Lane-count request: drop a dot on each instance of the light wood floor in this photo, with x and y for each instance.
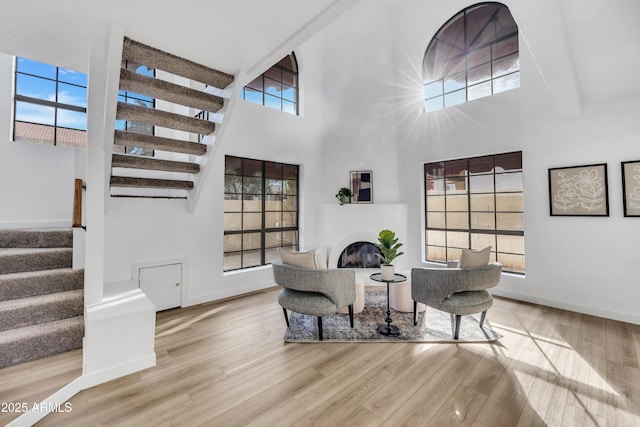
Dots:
(225, 364)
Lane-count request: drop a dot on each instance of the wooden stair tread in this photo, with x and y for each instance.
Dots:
(149, 163)
(123, 181)
(155, 117)
(133, 139)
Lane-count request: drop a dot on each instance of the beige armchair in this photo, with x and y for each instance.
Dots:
(455, 291)
(314, 292)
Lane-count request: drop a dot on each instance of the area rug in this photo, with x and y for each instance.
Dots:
(435, 326)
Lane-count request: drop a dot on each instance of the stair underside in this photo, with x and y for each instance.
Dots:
(152, 116)
(38, 341)
(14, 260)
(36, 238)
(132, 139)
(160, 89)
(154, 58)
(171, 184)
(20, 313)
(31, 283)
(149, 163)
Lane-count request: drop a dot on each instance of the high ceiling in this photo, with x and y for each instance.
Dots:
(601, 37)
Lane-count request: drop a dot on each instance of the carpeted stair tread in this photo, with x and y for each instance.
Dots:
(133, 139)
(173, 184)
(36, 238)
(140, 162)
(19, 313)
(13, 260)
(31, 283)
(171, 92)
(155, 117)
(155, 58)
(38, 341)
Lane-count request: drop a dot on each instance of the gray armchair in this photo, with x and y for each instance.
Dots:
(455, 291)
(314, 292)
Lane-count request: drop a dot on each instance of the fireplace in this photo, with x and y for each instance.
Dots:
(359, 255)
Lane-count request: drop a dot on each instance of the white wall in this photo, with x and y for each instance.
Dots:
(36, 181)
(373, 84)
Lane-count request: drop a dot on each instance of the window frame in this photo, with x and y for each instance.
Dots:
(263, 229)
(440, 93)
(445, 197)
(56, 105)
(268, 75)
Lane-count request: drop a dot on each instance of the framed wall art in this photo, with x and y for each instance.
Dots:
(579, 191)
(362, 186)
(631, 188)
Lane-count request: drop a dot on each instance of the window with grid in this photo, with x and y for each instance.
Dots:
(475, 54)
(277, 88)
(260, 211)
(50, 104)
(474, 203)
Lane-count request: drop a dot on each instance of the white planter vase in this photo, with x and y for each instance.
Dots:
(388, 272)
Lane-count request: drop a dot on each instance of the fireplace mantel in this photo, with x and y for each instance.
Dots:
(339, 226)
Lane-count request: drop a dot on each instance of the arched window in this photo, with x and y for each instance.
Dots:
(277, 87)
(475, 54)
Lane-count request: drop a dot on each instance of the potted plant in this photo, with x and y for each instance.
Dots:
(388, 244)
(344, 195)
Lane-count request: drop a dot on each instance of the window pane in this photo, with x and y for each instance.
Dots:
(71, 137)
(233, 165)
(72, 95)
(290, 172)
(289, 219)
(482, 202)
(289, 203)
(273, 219)
(481, 240)
(434, 186)
(509, 181)
(511, 262)
(459, 220)
(289, 107)
(232, 261)
(433, 89)
(273, 186)
(507, 65)
(481, 183)
(32, 113)
(252, 203)
(434, 104)
(479, 91)
(505, 47)
(251, 259)
(290, 187)
(273, 170)
(483, 221)
(479, 56)
(511, 244)
(272, 102)
(273, 240)
(34, 132)
(232, 184)
(508, 82)
(272, 87)
(509, 202)
(509, 162)
(455, 98)
(274, 73)
(252, 95)
(289, 238)
(256, 84)
(457, 202)
(510, 221)
(479, 74)
(273, 203)
(232, 242)
(435, 203)
(436, 220)
(232, 203)
(271, 255)
(232, 221)
(37, 68)
(454, 82)
(288, 78)
(453, 254)
(72, 119)
(436, 237)
(289, 93)
(436, 253)
(35, 87)
(251, 185)
(251, 241)
(251, 221)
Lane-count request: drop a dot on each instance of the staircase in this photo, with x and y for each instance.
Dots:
(169, 173)
(41, 297)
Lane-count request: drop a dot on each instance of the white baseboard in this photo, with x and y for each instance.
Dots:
(593, 311)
